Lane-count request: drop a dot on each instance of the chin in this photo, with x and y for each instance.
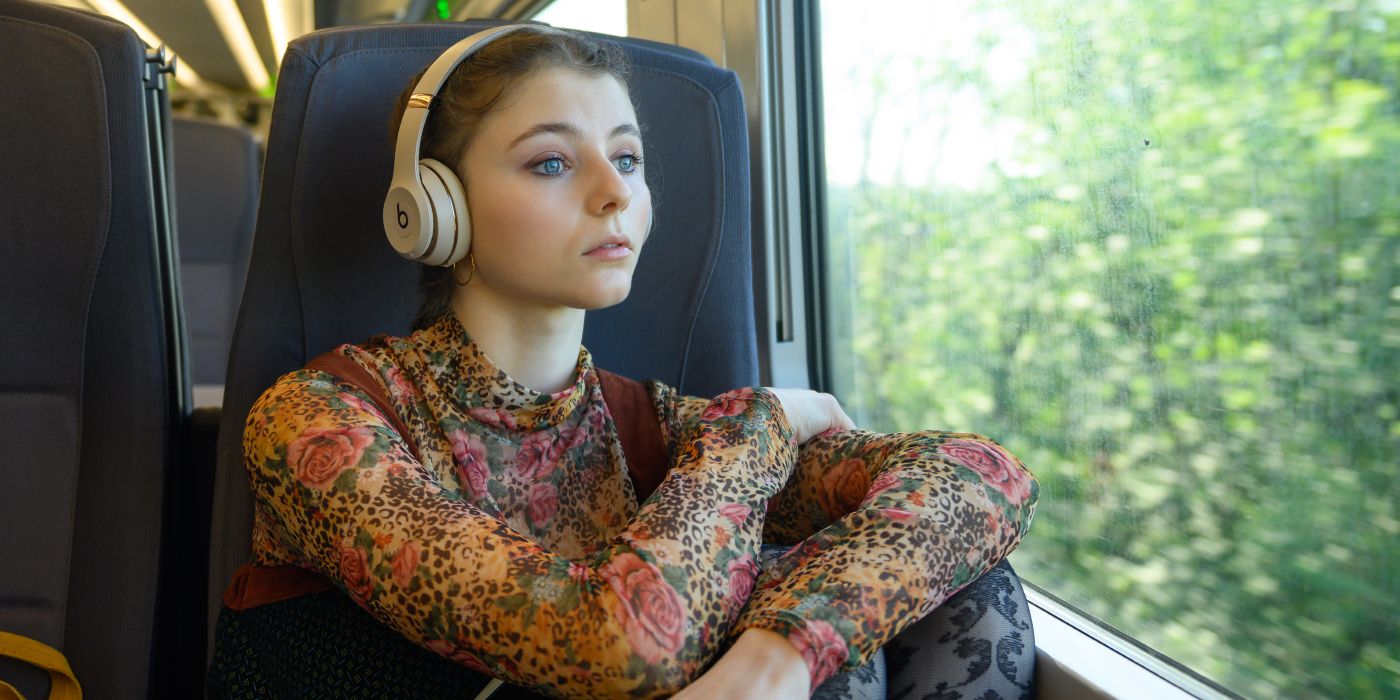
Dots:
(602, 297)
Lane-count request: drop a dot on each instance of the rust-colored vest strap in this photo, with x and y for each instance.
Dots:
(352, 373)
(638, 429)
(253, 586)
(632, 412)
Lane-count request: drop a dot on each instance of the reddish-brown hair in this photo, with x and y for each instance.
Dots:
(472, 91)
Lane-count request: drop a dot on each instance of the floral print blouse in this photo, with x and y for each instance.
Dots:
(516, 545)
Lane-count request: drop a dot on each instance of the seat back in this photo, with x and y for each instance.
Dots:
(89, 390)
(322, 274)
(216, 194)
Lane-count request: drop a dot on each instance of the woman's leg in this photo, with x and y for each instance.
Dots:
(978, 644)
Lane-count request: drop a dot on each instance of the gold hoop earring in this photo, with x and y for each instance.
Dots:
(460, 282)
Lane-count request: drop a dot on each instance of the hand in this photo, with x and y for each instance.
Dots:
(811, 413)
(761, 665)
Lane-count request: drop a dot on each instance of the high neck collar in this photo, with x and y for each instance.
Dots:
(473, 381)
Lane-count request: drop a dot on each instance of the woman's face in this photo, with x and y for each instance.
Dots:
(559, 205)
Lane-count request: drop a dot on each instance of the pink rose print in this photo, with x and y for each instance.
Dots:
(462, 657)
(571, 436)
(821, 647)
(993, 464)
(730, 403)
(405, 563)
(470, 457)
(742, 572)
(320, 455)
(494, 417)
(399, 386)
(360, 404)
(897, 514)
(458, 655)
(651, 612)
(354, 571)
(737, 513)
(578, 573)
(544, 501)
(843, 486)
(881, 484)
(537, 456)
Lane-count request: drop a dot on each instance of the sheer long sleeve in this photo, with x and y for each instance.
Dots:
(640, 618)
(883, 528)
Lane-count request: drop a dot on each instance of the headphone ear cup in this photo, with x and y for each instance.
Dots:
(451, 227)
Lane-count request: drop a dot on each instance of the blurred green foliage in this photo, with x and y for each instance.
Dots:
(1185, 318)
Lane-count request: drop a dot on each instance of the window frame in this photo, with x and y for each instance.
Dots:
(1076, 650)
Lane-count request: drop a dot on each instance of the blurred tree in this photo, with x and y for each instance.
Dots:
(1179, 303)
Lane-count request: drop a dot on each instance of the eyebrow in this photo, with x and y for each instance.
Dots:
(570, 130)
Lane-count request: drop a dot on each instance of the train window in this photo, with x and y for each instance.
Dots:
(605, 16)
(1154, 248)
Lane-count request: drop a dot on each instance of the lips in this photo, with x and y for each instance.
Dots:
(615, 245)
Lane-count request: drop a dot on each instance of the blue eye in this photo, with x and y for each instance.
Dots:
(627, 162)
(553, 165)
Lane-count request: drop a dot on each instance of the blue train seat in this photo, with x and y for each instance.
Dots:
(92, 388)
(216, 196)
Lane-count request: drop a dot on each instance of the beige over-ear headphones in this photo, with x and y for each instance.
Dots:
(425, 211)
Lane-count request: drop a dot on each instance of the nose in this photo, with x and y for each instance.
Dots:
(609, 192)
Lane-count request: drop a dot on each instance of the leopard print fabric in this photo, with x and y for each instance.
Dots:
(884, 528)
(516, 546)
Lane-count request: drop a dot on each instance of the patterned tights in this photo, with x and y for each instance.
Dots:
(977, 645)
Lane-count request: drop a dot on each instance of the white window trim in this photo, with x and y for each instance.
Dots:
(1078, 658)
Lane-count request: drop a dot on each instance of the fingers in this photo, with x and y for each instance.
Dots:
(843, 421)
(837, 420)
(812, 413)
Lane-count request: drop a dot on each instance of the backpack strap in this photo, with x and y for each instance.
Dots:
(638, 429)
(350, 372)
(62, 684)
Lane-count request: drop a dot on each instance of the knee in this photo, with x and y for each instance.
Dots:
(999, 588)
(980, 640)
(997, 470)
(1003, 574)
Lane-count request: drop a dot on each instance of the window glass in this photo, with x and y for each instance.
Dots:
(605, 16)
(1152, 247)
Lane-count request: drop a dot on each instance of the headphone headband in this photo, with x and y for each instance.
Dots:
(425, 214)
(415, 117)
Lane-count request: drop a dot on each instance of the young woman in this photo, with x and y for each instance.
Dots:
(486, 515)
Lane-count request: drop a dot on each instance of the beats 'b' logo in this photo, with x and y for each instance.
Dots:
(403, 215)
